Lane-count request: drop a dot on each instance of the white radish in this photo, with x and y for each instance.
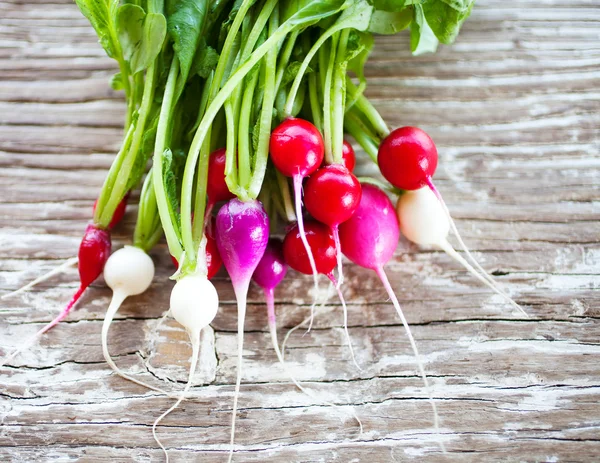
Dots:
(194, 304)
(128, 272)
(424, 220)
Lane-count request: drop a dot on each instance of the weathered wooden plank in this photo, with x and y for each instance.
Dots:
(513, 107)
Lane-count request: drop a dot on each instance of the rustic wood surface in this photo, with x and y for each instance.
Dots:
(514, 106)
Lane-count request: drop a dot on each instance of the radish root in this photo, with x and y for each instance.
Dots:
(115, 304)
(343, 301)
(195, 340)
(60, 317)
(386, 283)
(298, 200)
(480, 273)
(55, 271)
(338, 255)
(273, 330)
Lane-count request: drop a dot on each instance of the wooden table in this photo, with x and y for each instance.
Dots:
(514, 107)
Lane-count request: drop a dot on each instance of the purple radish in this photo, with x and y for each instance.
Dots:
(369, 239)
(242, 236)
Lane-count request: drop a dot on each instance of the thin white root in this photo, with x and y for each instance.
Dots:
(195, 340)
(448, 249)
(241, 296)
(298, 200)
(338, 255)
(480, 273)
(345, 309)
(386, 283)
(115, 304)
(273, 329)
(55, 271)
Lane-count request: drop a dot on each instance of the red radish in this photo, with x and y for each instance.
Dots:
(117, 217)
(424, 221)
(331, 195)
(297, 150)
(408, 159)
(93, 253)
(194, 304)
(119, 211)
(369, 239)
(216, 187)
(320, 240)
(213, 259)
(268, 274)
(242, 236)
(348, 157)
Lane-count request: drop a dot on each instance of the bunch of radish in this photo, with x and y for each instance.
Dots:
(237, 114)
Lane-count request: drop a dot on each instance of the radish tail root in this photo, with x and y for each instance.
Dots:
(343, 301)
(273, 331)
(338, 255)
(115, 304)
(60, 317)
(386, 283)
(55, 271)
(298, 200)
(480, 273)
(195, 340)
(241, 296)
(448, 249)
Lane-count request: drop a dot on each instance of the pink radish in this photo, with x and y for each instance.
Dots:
(321, 241)
(297, 150)
(194, 304)
(369, 239)
(242, 236)
(408, 158)
(93, 254)
(331, 195)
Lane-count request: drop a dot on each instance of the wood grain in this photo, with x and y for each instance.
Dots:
(514, 107)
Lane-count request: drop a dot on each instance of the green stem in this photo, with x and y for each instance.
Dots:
(244, 133)
(266, 116)
(112, 174)
(147, 219)
(339, 98)
(363, 104)
(285, 58)
(357, 130)
(315, 106)
(231, 165)
(162, 201)
(118, 190)
(327, 116)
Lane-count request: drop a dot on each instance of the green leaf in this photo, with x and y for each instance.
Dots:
(445, 17)
(205, 61)
(307, 12)
(185, 24)
(362, 44)
(388, 23)
(394, 6)
(141, 35)
(422, 38)
(116, 81)
(130, 23)
(98, 13)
